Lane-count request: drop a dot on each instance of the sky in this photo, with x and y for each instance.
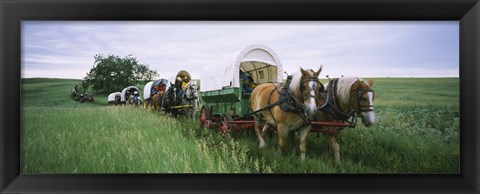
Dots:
(66, 49)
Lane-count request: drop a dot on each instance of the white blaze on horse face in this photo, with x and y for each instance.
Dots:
(370, 98)
(369, 116)
(312, 106)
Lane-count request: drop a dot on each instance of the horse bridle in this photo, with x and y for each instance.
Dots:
(315, 79)
(305, 97)
(193, 92)
(173, 96)
(363, 108)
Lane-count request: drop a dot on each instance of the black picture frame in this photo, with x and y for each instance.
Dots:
(12, 12)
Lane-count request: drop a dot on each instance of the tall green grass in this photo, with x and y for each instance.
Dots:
(417, 131)
(60, 135)
(122, 140)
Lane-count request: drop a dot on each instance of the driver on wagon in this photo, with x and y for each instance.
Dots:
(248, 84)
(135, 97)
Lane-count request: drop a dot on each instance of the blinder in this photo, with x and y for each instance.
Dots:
(364, 108)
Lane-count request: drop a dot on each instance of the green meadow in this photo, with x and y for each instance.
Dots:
(417, 131)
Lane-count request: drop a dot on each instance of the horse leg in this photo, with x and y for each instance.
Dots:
(194, 110)
(335, 147)
(291, 135)
(259, 134)
(303, 141)
(282, 137)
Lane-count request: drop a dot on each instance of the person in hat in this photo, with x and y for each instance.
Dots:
(135, 97)
(247, 80)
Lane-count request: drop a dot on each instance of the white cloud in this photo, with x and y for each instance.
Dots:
(380, 48)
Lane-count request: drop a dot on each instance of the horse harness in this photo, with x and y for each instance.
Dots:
(332, 108)
(171, 94)
(191, 98)
(288, 102)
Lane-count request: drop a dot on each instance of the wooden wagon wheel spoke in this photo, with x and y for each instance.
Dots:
(205, 116)
(226, 127)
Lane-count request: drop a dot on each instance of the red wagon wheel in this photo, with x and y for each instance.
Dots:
(227, 126)
(205, 117)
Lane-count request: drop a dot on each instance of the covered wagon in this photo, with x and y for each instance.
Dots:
(226, 85)
(114, 98)
(152, 88)
(127, 92)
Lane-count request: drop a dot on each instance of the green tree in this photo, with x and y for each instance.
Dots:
(112, 73)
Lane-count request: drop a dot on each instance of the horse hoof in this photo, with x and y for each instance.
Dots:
(262, 145)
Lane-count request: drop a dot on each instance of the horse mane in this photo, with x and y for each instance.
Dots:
(294, 86)
(344, 87)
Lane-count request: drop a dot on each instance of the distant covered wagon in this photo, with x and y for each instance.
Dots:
(127, 92)
(151, 88)
(114, 98)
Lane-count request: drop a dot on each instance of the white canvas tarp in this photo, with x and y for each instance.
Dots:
(260, 61)
(184, 76)
(124, 91)
(111, 96)
(147, 89)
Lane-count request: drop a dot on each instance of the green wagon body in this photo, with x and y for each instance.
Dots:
(228, 100)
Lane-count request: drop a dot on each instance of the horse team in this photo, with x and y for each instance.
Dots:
(303, 101)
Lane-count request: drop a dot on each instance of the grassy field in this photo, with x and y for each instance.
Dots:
(417, 131)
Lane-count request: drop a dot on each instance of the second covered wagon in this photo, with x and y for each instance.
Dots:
(226, 86)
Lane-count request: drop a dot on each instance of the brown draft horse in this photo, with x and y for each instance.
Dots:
(303, 89)
(157, 100)
(347, 98)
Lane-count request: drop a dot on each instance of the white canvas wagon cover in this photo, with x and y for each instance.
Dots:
(147, 89)
(124, 91)
(182, 74)
(250, 60)
(111, 96)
